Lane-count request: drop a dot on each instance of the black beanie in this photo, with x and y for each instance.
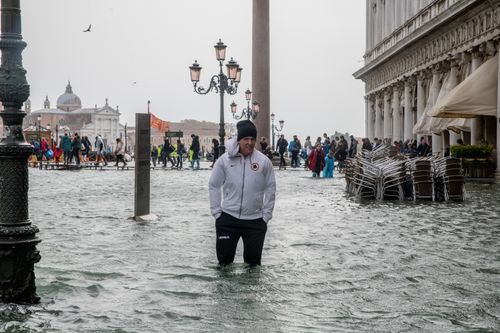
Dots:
(246, 128)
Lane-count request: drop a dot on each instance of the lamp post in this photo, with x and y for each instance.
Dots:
(126, 149)
(275, 128)
(220, 83)
(50, 135)
(18, 239)
(39, 120)
(248, 113)
(57, 135)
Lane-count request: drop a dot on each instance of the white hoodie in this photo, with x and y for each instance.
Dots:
(248, 185)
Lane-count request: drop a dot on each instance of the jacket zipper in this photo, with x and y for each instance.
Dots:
(242, 185)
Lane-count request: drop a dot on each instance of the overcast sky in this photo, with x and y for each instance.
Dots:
(316, 45)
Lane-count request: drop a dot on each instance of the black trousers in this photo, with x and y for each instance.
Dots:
(282, 160)
(76, 155)
(229, 230)
(120, 158)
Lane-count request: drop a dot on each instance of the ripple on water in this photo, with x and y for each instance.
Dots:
(330, 262)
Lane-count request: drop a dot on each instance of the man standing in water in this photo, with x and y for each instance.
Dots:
(242, 191)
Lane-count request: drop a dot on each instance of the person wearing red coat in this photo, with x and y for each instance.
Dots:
(316, 161)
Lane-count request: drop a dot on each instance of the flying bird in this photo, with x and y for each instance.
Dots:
(88, 29)
(135, 82)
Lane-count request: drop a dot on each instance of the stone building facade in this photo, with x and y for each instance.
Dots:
(204, 129)
(70, 117)
(416, 52)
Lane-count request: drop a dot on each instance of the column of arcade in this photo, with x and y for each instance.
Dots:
(392, 112)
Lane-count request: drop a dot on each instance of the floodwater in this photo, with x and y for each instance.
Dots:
(330, 263)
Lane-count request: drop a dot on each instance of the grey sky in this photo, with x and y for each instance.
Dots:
(316, 45)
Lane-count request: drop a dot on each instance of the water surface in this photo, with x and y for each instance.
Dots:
(330, 262)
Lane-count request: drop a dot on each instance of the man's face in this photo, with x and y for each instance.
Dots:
(247, 144)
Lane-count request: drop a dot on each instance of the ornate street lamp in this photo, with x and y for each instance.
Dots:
(18, 253)
(275, 128)
(248, 113)
(220, 83)
(39, 121)
(50, 135)
(126, 149)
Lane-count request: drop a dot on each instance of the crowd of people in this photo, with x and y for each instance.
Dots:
(321, 157)
(328, 153)
(73, 149)
(410, 147)
(175, 153)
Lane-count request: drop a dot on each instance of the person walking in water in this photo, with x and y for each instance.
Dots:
(120, 153)
(99, 147)
(66, 146)
(215, 149)
(317, 161)
(329, 165)
(76, 144)
(282, 146)
(195, 148)
(180, 154)
(246, 178)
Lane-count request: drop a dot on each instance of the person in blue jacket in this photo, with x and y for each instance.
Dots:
(66, 147)
(329, 165)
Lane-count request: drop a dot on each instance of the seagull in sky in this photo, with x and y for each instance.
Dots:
(88, 29)
(135, 82)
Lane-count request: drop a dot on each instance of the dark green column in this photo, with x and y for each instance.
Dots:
(18, 240)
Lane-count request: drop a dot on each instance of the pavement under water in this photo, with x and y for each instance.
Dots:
(330, 262)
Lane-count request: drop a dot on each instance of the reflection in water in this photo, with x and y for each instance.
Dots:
(330, 262)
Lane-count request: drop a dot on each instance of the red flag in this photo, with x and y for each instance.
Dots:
(159, 124)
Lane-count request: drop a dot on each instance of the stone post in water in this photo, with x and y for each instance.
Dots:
(18, 240)
(142, 167)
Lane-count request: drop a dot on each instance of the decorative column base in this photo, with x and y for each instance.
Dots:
(18, 240)
(17, 276)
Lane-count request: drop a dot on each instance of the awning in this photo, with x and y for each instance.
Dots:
(426, 124)
(473, 97)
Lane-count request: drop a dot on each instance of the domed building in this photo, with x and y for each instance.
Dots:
(69, 116)
(69, 101)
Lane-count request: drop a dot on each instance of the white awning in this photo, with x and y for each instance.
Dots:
(428, 125)
(473, 97)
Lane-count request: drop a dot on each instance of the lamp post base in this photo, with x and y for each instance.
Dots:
(17, 276)
(222, 150)
(18, 240)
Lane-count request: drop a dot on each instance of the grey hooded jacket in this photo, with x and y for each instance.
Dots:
(242, 186)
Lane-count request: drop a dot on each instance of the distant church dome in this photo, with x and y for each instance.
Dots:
(69, 101)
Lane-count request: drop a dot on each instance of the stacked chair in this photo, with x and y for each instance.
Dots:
(394, 178)
(381, 175)
(365, 178)
(372, 174)
(422, 177)
(450, 174)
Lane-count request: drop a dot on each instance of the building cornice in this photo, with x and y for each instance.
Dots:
(471, 28)
(406, 35)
